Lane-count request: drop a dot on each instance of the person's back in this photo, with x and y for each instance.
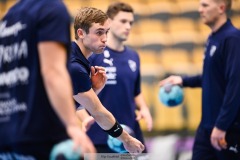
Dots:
(22, 83)
(27, 118)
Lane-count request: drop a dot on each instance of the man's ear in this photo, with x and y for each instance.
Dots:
(222, 7)
(81, 33)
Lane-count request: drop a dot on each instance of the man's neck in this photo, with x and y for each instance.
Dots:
(87, 53)
(115, 43)
(215, 27)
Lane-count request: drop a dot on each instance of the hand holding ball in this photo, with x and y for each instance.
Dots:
(171, 95)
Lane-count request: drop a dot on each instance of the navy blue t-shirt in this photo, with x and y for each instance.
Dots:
(220, 79)
(26, 114)
(123, 85)
(79, 69)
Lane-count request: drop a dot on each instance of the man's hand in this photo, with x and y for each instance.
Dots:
(81, 140)
(132, 145)
(218, 139)
(144, 113)
(87, 123)
(98, 78)
(171, 80)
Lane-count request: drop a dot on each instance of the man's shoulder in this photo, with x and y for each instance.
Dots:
(131, 51)
(233, 34)
(77, 69)
(228, 33)
(53, 4)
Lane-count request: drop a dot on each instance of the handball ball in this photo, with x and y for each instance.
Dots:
(115, 144)
(64, 151)
(171, 95)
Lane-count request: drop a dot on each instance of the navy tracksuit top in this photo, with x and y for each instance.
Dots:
(220, 80)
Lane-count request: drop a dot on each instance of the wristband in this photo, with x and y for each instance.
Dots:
(116, 130)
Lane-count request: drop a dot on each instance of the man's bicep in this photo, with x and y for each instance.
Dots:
(52, 55)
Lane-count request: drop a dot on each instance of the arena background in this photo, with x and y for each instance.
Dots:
(169, 38)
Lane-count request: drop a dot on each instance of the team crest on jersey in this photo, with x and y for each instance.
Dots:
(106, 54)
(132, 65)
(212, 50)
(106, 59)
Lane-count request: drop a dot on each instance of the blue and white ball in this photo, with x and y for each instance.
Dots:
(64, 151)
(115, 144)
(171, 95)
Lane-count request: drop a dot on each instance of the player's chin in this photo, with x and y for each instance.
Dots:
(124, 38)
(100, 50)
(204, 20)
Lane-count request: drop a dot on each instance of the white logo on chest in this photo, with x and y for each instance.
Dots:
(107, 58)
(132, 65)
(11, 30)
(234, 149)
(108, 61)
(212, 50)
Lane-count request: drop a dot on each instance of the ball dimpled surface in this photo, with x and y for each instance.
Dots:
(115, 144)
(171, 95)
(64, 150)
